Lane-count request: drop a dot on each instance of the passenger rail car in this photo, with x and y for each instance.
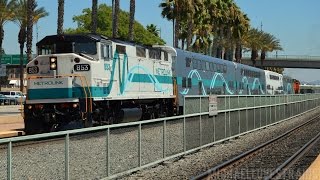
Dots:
(83, 80)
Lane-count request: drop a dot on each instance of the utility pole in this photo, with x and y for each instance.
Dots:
(261, 26)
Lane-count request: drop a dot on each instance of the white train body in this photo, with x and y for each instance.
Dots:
(274, 82)
(77, 80)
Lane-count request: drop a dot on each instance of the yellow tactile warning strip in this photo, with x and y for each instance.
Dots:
(313, 172)
(6, 134)
(11, 119)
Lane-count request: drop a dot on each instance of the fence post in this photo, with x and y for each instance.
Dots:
(67, 157)
(139, 144)
(164, 138)
(184, 125)
(9, 161)
(108, 152)
(200, 125)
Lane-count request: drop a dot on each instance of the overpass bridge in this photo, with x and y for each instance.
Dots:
(286, 61)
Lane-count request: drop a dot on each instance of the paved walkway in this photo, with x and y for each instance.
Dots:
(11, 121)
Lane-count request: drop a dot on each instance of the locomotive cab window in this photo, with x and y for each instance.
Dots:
(165, 56)
(121, 49)
(141, 52)
(106, 52)
(154, 54)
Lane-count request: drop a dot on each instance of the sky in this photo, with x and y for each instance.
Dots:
(296, 23)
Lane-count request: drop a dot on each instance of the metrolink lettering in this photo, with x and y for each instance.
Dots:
(49, 83)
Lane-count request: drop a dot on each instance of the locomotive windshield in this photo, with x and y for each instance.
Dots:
(67, 44)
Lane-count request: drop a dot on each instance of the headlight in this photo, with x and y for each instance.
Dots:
(53, 59)
(74, 105)
(30, 107)
(53, 66)
(53, 63)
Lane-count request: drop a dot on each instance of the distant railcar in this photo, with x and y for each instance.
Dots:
(296, 86)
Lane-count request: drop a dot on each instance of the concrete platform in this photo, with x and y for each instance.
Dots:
(7, 134)
(11, 121)
(313, 172)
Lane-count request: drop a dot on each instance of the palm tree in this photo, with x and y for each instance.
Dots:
(240, 33)
(22, 19)
(171, 10)
(6, 14)
(115, 16)
(31, 7)
(60, 16)
(131, 21)
(269, 44)
(254, 43)
(153, 29)
(94, 16)
(201, 28)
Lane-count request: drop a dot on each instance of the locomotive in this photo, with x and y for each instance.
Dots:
(85, 80)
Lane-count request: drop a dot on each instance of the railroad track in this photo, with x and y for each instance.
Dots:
(269, 160)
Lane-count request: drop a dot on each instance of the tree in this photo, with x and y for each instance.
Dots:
(104, 23)
(254, 43)
(22, 15)
(240, 33)
(6, 14)
(94, 16)
(115, 16)
(131, 21)
(31, 7)
(153, 29)
(168, 13)
(60, 16)
(269, 43)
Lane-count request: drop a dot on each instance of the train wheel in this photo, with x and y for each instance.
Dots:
(32, 126)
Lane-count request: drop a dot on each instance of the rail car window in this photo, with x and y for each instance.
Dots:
(165, 54)
(189, 82)
(230, 84)
(154, 54)
(195, 64)
(211, 67)
(184, 82)
(106, 52)
(188, 62)
(224, 68)
(200, 87)
(207, 66)
(141, 52)
(268, 86)
(44, 50)
(274, 77)
(121, 49)
(200, 67)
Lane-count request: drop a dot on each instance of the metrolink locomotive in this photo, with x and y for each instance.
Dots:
(84, 80)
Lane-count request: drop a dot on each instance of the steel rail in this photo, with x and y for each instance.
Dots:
(234, 160)
(296, 156)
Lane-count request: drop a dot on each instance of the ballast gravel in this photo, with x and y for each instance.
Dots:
(88, 154)
(194, 164)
